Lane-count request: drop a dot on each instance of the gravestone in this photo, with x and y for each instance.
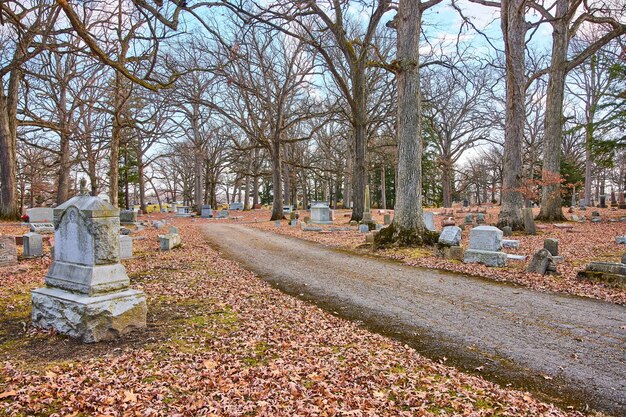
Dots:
(480, 219)
(620, 240)
(183, 211)
(364, 228)
(507, 231)
(448, 222)
(235, 206)
(613, 198)
(126, 247)
(510, 243)
(611, 273)
(320, 213)
(8, 251)
(469, 219)
(128, 216)
(287, 209)
(485, 243)
(169, 241)
(552, 246)
(429, 221)
(277, 223)
(41, 228)
(222, 214)
(603, 201)
(40, 214)
(542, 263)
(206, 212)
(293, 223)
(367, 214)
(353, 223)
(87, 294)
(387, 219)
(33, 245)
(529, 221)
(465, 203)
(451, 236)
(312, 228)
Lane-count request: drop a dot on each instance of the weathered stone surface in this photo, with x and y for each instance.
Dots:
(620, 240)
(128, 216)
(429, 221)
(353, 223)
(607, 267)
(510, 243)
(450, 235)
(480, 218)
(169, 241)
(40, 214)
(312, 229)
(206, 212)
(89, 319)
(364, 228)
(541, 263)
(485, 238)
(455, 253)
(469, 219)
(552, 246)
(8, 251)
(613, 274)
(489, 258)
(41, 228)
(529, 221)
(33, 245)
(223, 214)
(126, 247)
(507, 231)
(236, 206)
(320, 214)
(387, 219)
(516, 257)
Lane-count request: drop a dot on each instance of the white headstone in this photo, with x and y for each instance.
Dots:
(126, 247)
(450, 235)
(40, 215)
(487, 238)
(429, 221)
(320, 213)
(33, 245)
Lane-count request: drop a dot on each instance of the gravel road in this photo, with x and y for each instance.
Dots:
(566, 349)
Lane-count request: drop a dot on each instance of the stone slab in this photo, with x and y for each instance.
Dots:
(169, 241)
(510, 243)
(8, 251)
(429, 221)
(40, 214)
(485, 238)
(126, 247)
(41, 228)
(83, 279)
(89, 319)
(489, 258)
(450, 235)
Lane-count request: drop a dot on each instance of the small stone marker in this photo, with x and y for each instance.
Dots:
(450, 235)
(33, 245)
(507, 231)
(484, 247)
(613, 274)
(387, 219)
(429, 221)
(236, 206)
(293, 223)
(126, 247)
(128, 216)
(169, 241)
(42, 228)
(620, 240)
(173, 230)
(87, 294)
(529, 221)
(469, 220)
(364, 228)
(516, 257)
(510, 243)
(541, 263)
(8, 251)
(206, 212)
(312, 229)
(552, 246)
(480, 219)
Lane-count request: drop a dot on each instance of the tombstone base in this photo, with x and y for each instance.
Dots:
(488, 258)
(89, 319)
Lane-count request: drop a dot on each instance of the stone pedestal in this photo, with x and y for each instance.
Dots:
(87, 293)
(320, 214)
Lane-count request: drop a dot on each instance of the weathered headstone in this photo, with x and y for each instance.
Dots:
(238, 205)
(450, 235)
(387, 219)
(206, 212)
(287, 209)
(485, 243)
(320, 213)
(40, 214)
(541, 263)
(33, 245)
(510, 243)
(169, 241)
(480, 219)
(529, 221)
(293, 223)
(552, 246)
(126, 247)
(364, 228)
(277, 223)
(128, 216)
(223, 214)
(8, 251)
(429, 221)
(367, 214)
(613, 274)
(469, 219)
(507, 231)
(183, 211)
(87, 294)
(41, 228)
(620, 240)
(312, 228)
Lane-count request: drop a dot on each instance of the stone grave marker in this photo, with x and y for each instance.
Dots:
(293, 223)
(387, 219)
(451, 236)
(128, 216)
(87, 294)
(484, 247)
(469, 219)
(429, 221)
(364, 228)
(33, 245)
(42, 228)
(529, 221)
(183, 211)
(507, 231)
(126, 247)
(510, 243)
(277, 223)
(8, 251)
(223, 214)
(542, 263)
(611, 273)
(320, 213)
(552, 246)
(367, 213)
(169, 241)
(40, 214)
(236, 206)
(206, 212)
(480, 219)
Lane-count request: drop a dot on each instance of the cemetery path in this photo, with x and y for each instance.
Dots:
(567, 349)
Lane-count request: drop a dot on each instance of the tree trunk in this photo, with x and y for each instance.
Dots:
(277, 200)
(116, 133)
(408, 227)
(197, 177)
(383, 189)
(8, 148)
(514, 32)
(551, 191)
(446, 179)
(359, 169)
(347, 184)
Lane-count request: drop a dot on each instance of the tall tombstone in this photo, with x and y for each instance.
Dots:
(603, 201)
(367, 213)
(86, 294)
(8, 251)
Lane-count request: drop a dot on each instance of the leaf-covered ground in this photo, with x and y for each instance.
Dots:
(222, 342)
(584, 243)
